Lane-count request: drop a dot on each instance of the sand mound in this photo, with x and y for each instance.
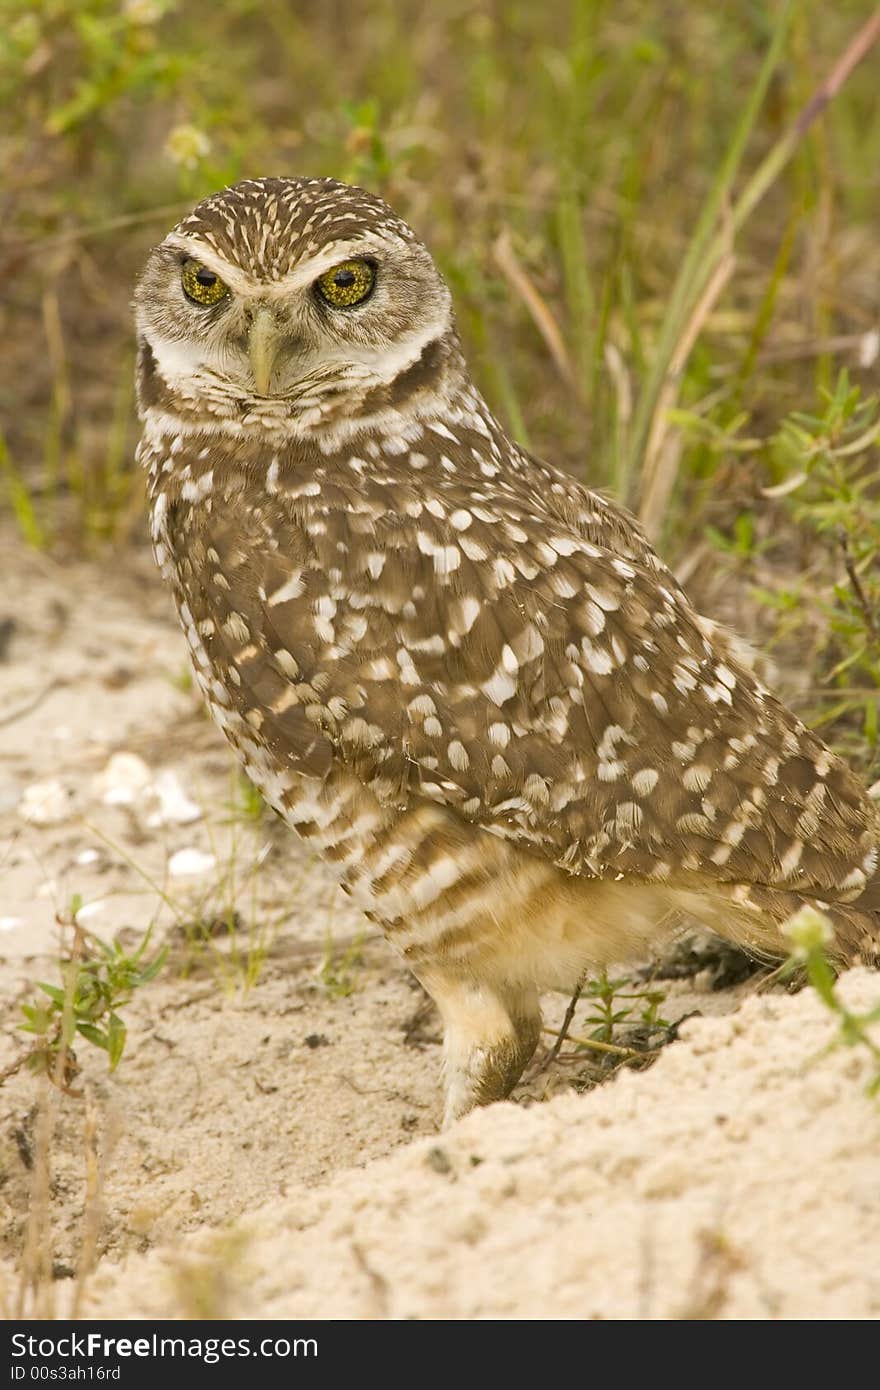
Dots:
(738, 1178)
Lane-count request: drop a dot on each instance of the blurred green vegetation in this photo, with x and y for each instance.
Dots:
(567, 163)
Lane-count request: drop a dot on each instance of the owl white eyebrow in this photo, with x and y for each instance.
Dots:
(199, 251)
(303, 276)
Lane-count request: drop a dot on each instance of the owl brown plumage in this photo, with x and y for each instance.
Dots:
(467, 679)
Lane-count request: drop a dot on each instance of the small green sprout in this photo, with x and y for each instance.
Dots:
(606, 1015)
(339, 968)
(810, 932)
(98, 980)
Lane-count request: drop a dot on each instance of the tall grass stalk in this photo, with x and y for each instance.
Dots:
(719, 223)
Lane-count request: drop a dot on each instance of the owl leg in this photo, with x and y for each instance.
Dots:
(490, 1034)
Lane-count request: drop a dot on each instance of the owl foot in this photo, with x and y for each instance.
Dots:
(490, 1036)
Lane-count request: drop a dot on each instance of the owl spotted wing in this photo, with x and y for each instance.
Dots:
(525, 659)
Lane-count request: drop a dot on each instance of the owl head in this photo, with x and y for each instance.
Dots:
(288, 294)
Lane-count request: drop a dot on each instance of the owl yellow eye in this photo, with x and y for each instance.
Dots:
(347, 284)
(201, 285)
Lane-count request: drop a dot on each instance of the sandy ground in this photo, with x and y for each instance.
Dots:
(268, 1145)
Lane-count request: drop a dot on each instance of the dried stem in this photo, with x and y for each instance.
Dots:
(566, 1023)
(595, 1046)
(857, 587)
(512, 270)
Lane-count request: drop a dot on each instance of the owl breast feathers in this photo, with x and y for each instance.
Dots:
(467, 679)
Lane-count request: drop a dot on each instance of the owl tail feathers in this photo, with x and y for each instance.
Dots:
(768, 922)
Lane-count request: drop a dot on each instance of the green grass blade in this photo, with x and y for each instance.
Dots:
(701, 258)
(20, 501)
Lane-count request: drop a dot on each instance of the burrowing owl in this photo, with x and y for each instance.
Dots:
(467, 679)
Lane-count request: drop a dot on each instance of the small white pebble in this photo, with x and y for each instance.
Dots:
(45, 803)
(90, 910)
(123, 780)
(185, 863)
(175, 807)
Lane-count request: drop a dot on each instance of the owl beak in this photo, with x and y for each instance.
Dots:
(263, 344)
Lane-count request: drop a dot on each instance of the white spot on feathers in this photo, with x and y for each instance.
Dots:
(290, 589)
(500, 686)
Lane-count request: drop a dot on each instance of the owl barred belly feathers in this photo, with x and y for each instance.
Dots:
(466, 679)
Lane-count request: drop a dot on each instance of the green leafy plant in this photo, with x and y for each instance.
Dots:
(338, 971)
(645, 1036)
(810, 933)
(607, 1015)
(247, 802)
(98, 980)
(830, 464)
